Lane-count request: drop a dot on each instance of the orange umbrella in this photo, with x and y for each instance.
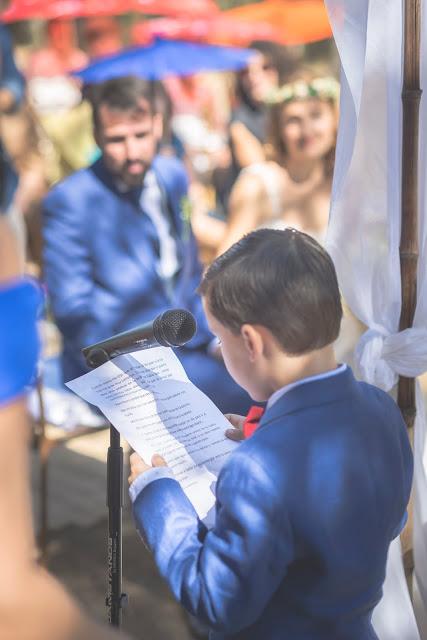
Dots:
(294, 21)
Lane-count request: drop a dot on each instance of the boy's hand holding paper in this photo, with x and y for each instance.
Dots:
(138, 466)
(236, 432)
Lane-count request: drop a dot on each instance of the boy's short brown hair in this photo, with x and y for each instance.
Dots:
(282, 280)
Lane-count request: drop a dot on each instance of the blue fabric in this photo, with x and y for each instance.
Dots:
(163, 58)
(101, 276)
(20, 302)
(306, 509)
(11, 79)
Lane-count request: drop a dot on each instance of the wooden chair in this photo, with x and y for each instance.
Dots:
(46, 438)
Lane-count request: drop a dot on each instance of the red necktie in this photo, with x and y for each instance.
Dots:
(252, 420)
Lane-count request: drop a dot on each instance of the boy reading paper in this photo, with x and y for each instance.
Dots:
(306, 507)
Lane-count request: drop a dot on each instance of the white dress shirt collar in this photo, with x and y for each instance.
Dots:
(321, 376)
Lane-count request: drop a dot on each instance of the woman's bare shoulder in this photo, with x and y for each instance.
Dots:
(249, 184)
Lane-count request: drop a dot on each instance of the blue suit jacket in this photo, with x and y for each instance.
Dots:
(306, 509)
(99, 266)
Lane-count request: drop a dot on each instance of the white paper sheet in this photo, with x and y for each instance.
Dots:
(147, 396)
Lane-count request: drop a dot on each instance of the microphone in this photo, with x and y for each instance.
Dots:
(172, 328)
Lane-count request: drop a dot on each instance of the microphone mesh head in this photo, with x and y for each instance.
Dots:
(174, 328)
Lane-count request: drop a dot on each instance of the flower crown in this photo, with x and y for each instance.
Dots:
(324, 88)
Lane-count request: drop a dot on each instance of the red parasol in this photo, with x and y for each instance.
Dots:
(50, 9)
(176, 7)
(216, 29)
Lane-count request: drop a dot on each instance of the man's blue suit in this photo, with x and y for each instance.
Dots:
(100, 266)
(306, 510)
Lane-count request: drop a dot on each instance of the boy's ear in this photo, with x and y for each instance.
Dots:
(252, 340)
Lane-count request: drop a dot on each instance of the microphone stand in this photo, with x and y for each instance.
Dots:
(171, 328)
(115, 600)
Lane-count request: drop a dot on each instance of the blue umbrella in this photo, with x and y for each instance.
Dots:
(163, 58)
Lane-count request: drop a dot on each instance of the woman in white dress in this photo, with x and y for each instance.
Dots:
(293, 187)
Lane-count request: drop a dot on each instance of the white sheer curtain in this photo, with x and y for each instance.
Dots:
(363, 238)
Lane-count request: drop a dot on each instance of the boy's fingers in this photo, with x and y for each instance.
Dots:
(236, 420)
(235, 434)
(158, 461)
(137, 466)
(135, 459)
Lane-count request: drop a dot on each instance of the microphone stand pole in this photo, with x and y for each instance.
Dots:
(115, 600)
(171, 328)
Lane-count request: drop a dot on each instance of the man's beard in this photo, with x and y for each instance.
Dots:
(133, 179)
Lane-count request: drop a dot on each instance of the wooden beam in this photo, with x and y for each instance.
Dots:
(411, 97)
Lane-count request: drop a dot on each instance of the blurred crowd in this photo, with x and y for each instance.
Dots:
(219, 124)
(257, 146)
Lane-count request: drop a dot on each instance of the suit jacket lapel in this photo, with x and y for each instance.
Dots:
(172, 207)
(133, 218)
(131, 225)
(138, 234)
(172, 199)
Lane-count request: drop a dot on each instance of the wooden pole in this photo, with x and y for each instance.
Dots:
(411, 96)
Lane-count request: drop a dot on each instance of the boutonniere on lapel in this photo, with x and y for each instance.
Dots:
(186, 208)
